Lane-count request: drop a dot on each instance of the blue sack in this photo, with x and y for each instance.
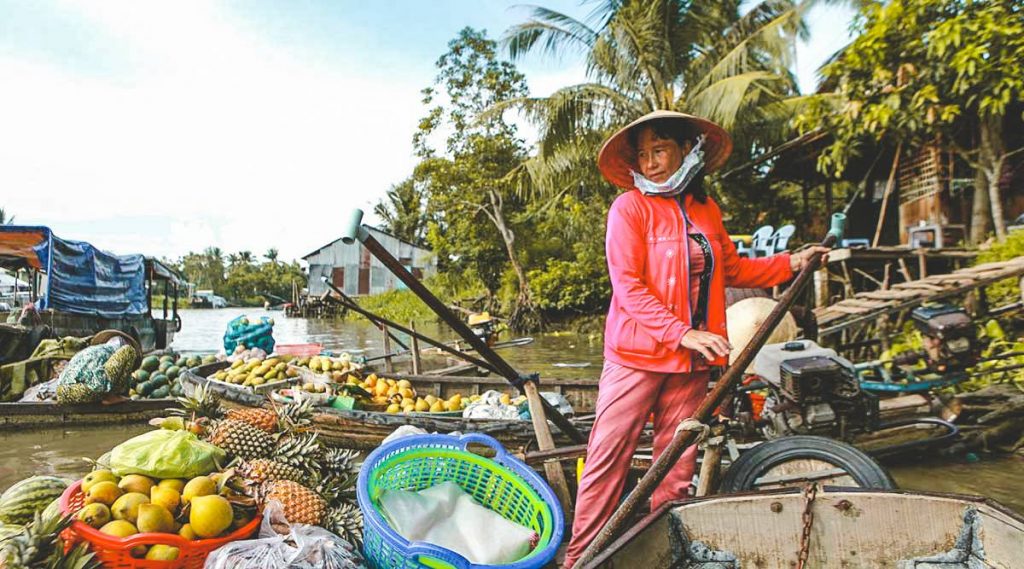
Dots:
(249, 334)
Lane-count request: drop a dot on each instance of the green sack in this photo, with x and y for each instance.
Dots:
(166, 454)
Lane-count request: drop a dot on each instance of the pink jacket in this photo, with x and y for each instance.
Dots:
(648, 261)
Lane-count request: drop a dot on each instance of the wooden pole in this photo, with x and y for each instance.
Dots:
(552, 468)
(388, 364)
(885, 198)
(417, 367)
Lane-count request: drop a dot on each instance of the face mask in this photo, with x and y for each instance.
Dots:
(678, 181)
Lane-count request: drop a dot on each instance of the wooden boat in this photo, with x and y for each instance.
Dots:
(81, 302)
(366, 430)
(50, 414)
(849, 528)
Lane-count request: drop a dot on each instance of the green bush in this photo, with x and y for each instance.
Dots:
(1008, 290)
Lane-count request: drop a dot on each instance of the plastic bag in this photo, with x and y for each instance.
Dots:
(250, 334)
(302, 547)
(446, 516)
(165, 454)
(40, 392)
(489, 406)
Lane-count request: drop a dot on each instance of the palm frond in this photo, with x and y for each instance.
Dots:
(553, 32)
(723, 100)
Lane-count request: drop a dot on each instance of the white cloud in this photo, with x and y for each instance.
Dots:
(242, 145)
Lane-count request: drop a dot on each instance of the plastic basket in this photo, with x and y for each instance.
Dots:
(299, 349)
(115, 552)
(504, 484)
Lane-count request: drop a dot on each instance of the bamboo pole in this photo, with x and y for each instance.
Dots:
(885, 198)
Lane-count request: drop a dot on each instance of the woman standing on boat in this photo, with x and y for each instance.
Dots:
(669, 259)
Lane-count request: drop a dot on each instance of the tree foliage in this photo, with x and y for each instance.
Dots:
(924, 72)
(242, 280)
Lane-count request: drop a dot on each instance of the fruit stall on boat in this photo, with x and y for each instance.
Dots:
(78, 290)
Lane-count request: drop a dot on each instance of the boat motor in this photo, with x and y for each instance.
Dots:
(483, 327)
(812, 391)
(950, 340)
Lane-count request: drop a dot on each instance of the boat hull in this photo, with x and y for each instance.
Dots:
(850, 528)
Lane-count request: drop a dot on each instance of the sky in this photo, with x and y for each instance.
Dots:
(167, 127)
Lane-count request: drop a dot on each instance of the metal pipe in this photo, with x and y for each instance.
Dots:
(356, 230)
(723, 388)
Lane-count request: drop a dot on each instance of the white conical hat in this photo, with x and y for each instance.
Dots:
(746, 316)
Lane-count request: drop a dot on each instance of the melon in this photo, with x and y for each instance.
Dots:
(19, 504)
(150, 363)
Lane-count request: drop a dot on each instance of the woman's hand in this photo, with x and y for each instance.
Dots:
(709, 345)
(800, 259)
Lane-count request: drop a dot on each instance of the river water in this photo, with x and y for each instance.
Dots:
(558, 355)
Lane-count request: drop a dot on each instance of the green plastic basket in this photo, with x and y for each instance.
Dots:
(504, 485)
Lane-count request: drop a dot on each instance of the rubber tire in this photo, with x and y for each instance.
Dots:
(755, 462)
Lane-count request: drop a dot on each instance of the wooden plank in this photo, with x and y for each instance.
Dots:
(552, 469)
(887, 294)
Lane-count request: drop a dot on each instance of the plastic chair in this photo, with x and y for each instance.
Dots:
(782, 237)
(759, 242)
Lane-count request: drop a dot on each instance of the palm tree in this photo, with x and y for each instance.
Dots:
(700, 57)
(271, 254)
(4, 220)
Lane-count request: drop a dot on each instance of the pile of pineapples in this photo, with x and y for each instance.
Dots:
(275, 456)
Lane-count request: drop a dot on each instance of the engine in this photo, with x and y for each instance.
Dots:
(815, 392)
(950, 340)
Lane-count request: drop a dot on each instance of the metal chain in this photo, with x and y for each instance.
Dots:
(810, 492)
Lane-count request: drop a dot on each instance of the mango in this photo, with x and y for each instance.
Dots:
(198, 486)
(161, 552)
(169, 498)
(105, 492)
(97, 476)
(136, 483)
(176, 484)
(210, 515)
(154, 518)
(94, 515)
(127, 507)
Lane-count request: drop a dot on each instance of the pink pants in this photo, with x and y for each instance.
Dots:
(625, 399)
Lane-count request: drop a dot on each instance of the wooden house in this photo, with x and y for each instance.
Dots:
(356, 272)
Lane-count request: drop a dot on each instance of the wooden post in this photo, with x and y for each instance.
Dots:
(552, 468)
(922, 264)
(710, 462)
(821, 287)
(388, 364)
(885, 197)
(417, 367)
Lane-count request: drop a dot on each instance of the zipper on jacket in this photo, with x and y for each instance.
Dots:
(705, 244)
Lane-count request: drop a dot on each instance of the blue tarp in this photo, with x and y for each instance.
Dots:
(80, 278)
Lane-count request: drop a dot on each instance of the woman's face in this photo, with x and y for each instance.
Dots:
(658, 158)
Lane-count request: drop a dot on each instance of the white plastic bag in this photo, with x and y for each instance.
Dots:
(303, 547)
(489, 406)
(446, 516)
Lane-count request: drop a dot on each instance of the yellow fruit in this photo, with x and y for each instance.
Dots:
(422, 405)
(154, 518)
(430, 399)
(169, 498)
(392, 391)
(449, 407)
(119, 528)
(407, 393)
(95, 515)
(394, 408)
(162, 552)
(105, 492)
(127, 507)
(456, 400)
(237, 364)
(437, 407)
(198, 486)
(210, 515)
(176, 484)
(136, 483)
(97, 476)
(381, 389)
(338, 366)
(404, 384)
(505, 399)
(187, 533)
(391, 383)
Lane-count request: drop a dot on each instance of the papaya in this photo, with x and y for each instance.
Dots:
(159, 380)
(150, 363)
(160, 393)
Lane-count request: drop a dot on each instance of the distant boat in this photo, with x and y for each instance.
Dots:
(206, 299)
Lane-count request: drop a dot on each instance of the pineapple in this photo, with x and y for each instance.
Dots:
(300, 451)
(203, 403)
(346, 521)
(340, 462)
(295, 416)
(261, 470)
(301, 505)
(261, 418)
(241, 440)
(39, 545)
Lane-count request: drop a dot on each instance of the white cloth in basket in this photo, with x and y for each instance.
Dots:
(445, 515)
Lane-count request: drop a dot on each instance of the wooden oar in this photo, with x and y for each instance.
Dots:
(729, 380)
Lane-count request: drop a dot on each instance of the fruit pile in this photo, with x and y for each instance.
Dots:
(195, 509)
(336, 368)
(275, 457)
(256, 371)
(157, 377)
(399, 396)
(31, 524)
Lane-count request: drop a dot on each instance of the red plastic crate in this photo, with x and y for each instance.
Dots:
(115, 552)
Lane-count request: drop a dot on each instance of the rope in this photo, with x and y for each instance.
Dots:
(691, 424)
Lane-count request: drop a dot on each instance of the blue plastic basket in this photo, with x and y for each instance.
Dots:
(504, 484)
